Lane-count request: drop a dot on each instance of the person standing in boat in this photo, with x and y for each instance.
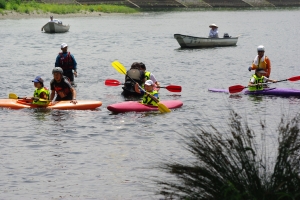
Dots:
(261, 61)
(258, 80)
(60, 85)
(213, 33)
(149, 90)
(40, 92)
(67, 62)
(149, 75)
(55, 20)
(136, 75)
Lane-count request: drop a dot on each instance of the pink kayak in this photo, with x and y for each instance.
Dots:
(134, 106)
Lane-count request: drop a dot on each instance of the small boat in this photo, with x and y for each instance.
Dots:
(186, 41)
(135, 106)
(61, 105)
(267, 91)
(53, 27)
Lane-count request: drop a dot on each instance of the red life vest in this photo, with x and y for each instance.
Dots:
(66, 62)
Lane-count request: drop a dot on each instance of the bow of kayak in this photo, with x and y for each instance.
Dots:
(134, 106)
(266, 91)
(61, 105)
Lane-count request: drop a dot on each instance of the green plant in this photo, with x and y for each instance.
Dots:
(2, 4)
(235, 164)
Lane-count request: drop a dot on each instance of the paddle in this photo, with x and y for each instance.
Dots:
(239, 88)
(121, 69)
(171, 88)
(14, 96)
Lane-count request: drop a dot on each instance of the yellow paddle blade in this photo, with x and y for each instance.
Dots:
(12, 96)
(119, 67)
(162, 108)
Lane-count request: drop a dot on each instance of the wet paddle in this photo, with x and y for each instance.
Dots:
(239, 88)
(122, 70)
(171, 88)
(14, 96)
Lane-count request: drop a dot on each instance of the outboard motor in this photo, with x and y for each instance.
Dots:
(226, 35)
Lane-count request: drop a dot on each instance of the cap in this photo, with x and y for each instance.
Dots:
(149, 82)
(213, 25)
(63, 45)
(38, 79)
(260, 71)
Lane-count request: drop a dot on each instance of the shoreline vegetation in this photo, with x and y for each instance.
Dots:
(15, 9)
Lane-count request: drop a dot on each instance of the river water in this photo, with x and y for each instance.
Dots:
(53, 154)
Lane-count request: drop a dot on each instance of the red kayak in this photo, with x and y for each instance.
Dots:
(134, 106)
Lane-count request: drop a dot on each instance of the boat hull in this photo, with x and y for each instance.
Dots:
(52, 27)
(134, 106)
(186, 41)
(266, 91)
(61, 105)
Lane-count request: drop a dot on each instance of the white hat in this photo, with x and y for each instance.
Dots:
(63, 45)
(260, 48)
(149, 82)
(213, 25)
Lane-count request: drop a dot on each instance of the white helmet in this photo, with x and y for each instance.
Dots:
(260, 48)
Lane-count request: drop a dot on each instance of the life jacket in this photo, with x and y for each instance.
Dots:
(257, 80)
(66, 63)
(63, 92)
(147, 75)
(135, 75)
(38, 92)
(265, 65)
(148, 100)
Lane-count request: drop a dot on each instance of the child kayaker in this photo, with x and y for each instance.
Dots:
(257, 80)
(40, 92)
(149, 90)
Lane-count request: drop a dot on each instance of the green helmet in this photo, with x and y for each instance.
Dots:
(57, 69)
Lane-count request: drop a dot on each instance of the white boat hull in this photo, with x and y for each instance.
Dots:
(186, 41)
(52, 27)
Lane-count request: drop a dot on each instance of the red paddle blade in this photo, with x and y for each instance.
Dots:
(236, 88)
(174, 88)
(112, 82)
(294, 78)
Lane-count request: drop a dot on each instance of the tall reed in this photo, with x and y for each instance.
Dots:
(235, 164)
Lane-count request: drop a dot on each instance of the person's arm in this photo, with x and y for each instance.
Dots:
(268, 67)
(74, 101)
(52, 95)
(137, 88)
(74, 66)
(57, 63)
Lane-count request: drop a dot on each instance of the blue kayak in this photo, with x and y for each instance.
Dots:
(266, 91)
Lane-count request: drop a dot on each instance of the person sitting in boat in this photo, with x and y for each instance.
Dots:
(258, 80)
(40, 92)
(213, 33)
(261, 61)
(149, 75)
(150, 96)
(55, 20)
(136, 75)
(61, 86)
(67, 62)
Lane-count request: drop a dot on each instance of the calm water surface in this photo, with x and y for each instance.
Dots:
(97, 155)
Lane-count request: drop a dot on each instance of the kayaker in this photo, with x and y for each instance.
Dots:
(40, 92)
(136, 75)
(261, 61)
(258, 80)
(149, 89)
(149, 75)
(62, 87)
(67, 62)
(213, 33)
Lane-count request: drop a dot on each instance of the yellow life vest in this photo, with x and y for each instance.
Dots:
(38, 92)
(147, 75)
(148, 100)
(257, 80)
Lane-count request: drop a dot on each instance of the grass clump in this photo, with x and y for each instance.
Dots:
(235, 164)
(33, 6)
